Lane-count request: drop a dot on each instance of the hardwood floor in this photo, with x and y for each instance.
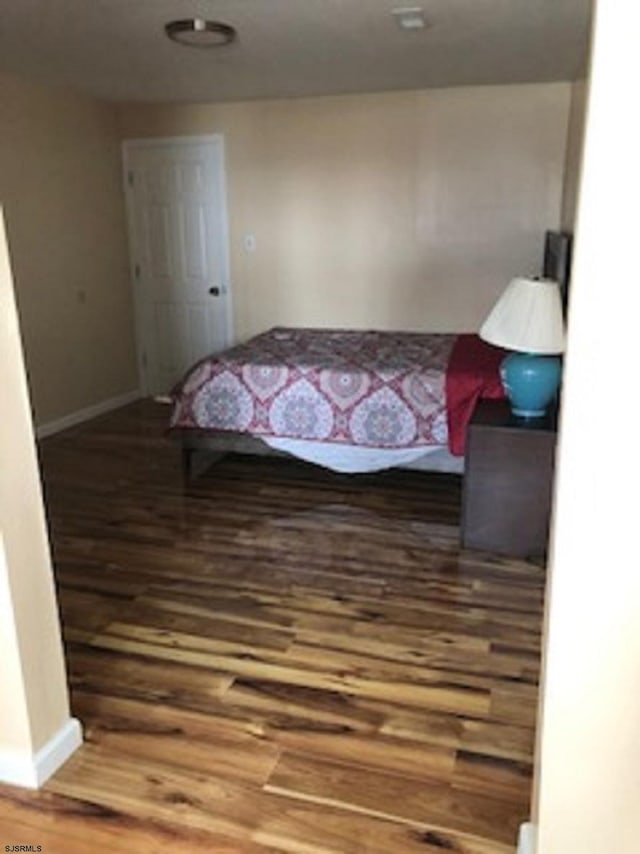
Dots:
(278, 659)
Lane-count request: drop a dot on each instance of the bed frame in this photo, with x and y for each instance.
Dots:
(201, 449)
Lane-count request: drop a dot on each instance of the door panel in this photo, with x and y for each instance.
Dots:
(177, 215)
(200, 332)
(170, 337)
(157, 230)
(193, 230)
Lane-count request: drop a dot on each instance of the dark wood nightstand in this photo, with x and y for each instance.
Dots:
(506, 497)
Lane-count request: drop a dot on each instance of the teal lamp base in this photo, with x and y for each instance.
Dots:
(531, 382)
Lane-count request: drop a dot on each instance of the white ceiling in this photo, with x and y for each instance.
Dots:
(117, 50)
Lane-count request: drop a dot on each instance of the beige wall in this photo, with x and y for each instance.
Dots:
(574, 153)
(589, 786)
(60, 186)
(401, 210)
(407, 210)
(33, 690)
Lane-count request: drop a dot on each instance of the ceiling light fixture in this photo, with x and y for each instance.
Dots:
(198, 32)
(409, 18)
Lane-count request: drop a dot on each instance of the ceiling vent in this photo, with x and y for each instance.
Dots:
(409, 18)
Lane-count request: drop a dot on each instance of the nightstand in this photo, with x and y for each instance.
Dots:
(506, 498)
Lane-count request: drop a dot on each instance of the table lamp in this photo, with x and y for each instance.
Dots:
(528, 320)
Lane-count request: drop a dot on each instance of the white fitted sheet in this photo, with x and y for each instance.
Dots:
(352, 459)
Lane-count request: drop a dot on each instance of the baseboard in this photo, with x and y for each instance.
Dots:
(86, 414)
(527, 839)
(33, 770)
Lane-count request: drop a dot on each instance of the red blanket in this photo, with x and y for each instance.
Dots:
(472, 373)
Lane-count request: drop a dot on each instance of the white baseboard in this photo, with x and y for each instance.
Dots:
(527, 839)
(32, 770)
(86, 414)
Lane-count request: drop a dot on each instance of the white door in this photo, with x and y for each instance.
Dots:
(176, 204)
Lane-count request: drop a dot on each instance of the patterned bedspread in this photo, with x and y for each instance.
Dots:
(372, 389)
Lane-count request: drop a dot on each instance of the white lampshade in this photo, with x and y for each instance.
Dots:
(527, 318)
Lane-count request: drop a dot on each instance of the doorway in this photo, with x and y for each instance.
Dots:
(178, 237)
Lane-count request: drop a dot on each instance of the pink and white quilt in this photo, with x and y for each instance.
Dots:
(370, 389)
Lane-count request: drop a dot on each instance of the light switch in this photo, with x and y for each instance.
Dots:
(249, 242)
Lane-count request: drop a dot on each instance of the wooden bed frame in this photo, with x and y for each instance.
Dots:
(201, 449)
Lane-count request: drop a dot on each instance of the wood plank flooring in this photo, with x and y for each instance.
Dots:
(278, 659)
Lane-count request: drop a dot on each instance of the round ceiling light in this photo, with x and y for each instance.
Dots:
(198, 32)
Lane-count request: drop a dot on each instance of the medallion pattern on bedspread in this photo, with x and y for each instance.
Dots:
(373, 389)
(224, 401)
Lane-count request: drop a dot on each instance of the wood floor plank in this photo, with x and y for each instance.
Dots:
(508, 741)
(393, 797)
(396, 755)
(65, 825)
(305, 828)
(198, 742)
(322, 653)
(160, 792)
(173, 648)
(104, 671)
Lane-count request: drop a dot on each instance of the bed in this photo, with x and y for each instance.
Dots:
(347, 400)
(352, 401)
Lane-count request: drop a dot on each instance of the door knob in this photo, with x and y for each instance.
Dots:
(215, 291)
